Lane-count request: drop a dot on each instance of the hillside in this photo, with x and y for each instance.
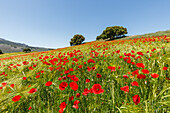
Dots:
(10, 47)
(119, 76)
(158, 33)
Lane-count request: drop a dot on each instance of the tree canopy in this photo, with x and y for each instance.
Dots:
(77, 40)
(112, 32)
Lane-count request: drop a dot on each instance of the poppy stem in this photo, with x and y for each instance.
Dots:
(112, 92)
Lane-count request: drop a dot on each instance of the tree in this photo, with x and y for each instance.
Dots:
(77, 40)
(26, 50)
(1, 52)
(112, 32)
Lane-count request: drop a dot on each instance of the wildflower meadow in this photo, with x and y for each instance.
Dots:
(120, 76)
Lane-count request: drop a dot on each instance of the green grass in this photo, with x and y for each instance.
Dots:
(154, 95)
(159, 33)
(12, 54)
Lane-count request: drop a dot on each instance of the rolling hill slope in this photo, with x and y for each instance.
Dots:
(10, 47)
(96, 77)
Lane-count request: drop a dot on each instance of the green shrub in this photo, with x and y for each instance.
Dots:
(26, 50)
(1, 52)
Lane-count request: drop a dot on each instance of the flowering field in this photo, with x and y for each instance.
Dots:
(99, 77)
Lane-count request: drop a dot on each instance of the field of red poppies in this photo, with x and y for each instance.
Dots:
(99, 77)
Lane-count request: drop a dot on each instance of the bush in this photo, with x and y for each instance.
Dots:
(26, 50)
(1, 52)
(77, 40)
(112, 33)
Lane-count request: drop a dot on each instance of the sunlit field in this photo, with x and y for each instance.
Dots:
(11, 54)
(123, 76)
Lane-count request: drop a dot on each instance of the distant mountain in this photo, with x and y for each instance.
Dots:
(10, 47)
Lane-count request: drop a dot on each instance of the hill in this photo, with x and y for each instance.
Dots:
(10, 47)
(158, 33)
(118, 76)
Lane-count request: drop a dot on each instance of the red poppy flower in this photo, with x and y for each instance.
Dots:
(12, 85)
(30, 108)
(140, 65)
(69, 75)
(18, 64)
(91, 61)
(112, 68)
(133, 63)
(145, 71)
(63, 85)
(51, 68)
(74, 59)
(119, 67)
(59, 78)
(66, 72)
(136, 99)
(49, 83)
(165, 68)
(30, 68)
(38, 76)
(61, 111)
(136, 72)
(125, 76)
(33, 90)
(134, 83)
(125, 89)
(74, 78)
(16, 98)
(138, 57)
(89, 69)
(133, 51)
(87, 80)
(96, 88)
(73, 86)
(71, 98)
(99, 75)
(25, 63)
(24, 78)
(76, 102)
(120, 56)
(132, 55)
(71, 69)
(80, 66)
(4, 84)
(129, 61)
(63, 105)
(140, 76)
(140, 53)
(93, 68)
(166, 79)
(42, 71)
(118, 51)
(78, 95)
(86, 91)
(64, 77)
(154, 75)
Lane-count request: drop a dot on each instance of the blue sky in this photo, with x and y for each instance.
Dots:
(52, 23)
